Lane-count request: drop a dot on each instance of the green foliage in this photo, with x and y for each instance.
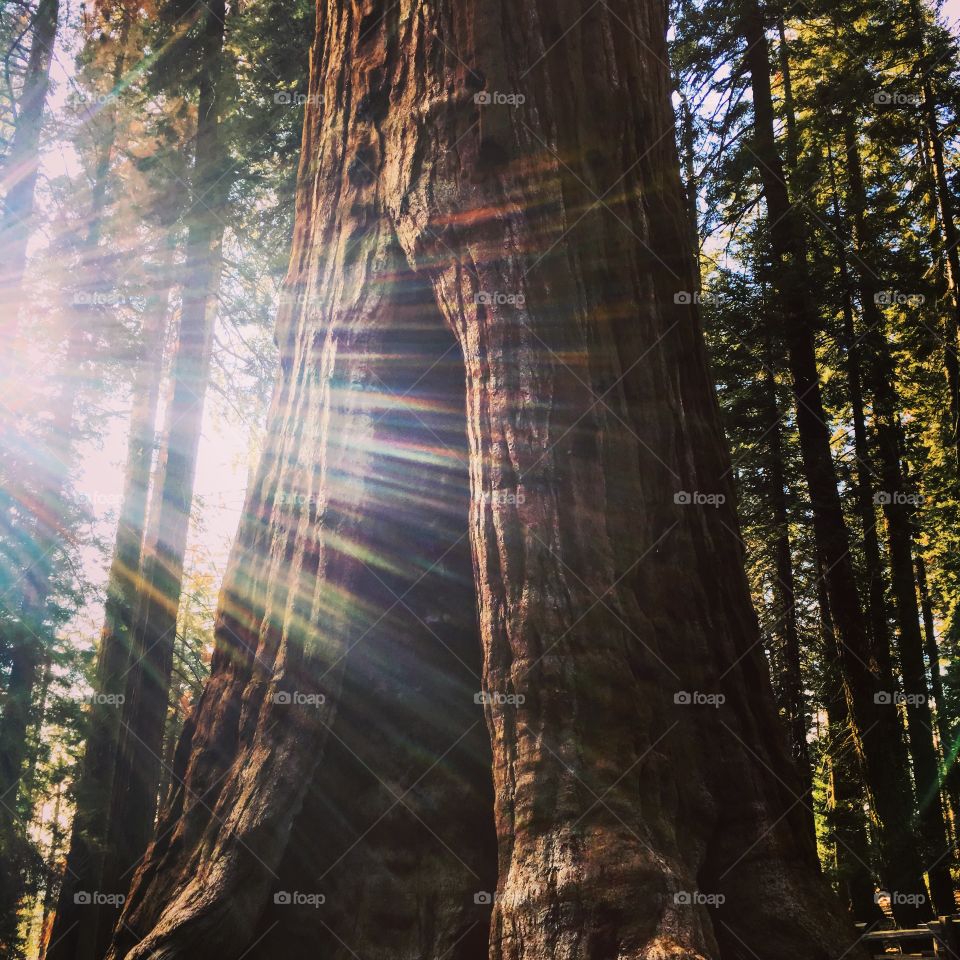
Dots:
(868, 65)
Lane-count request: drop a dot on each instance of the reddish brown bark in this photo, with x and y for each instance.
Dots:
(603, 597)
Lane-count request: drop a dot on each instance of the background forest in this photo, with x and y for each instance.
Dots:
(148, 163)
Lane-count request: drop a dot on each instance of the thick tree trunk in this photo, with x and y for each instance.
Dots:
(136, 781)
(609, 607)
(895, 501)
(81, 931)
(874, 714)
(19, 179)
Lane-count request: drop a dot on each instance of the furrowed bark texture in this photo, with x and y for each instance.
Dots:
(553, 234)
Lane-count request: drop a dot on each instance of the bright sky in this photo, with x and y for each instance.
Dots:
(223, 466)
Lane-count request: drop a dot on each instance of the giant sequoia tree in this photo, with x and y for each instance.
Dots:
(487, 342)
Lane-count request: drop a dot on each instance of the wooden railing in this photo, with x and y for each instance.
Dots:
(939, 938)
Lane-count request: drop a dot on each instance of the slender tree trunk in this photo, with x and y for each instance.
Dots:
(81, 929)
(845, 816)
(873, 569)
(875, 721)
(895, 501)
(789, 110)
(793, 700)
(948, 746)
(687, 139)
(133, 801)
(51, 882)
(19, 178)
(948, 224)
(605, 599)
